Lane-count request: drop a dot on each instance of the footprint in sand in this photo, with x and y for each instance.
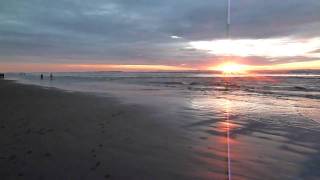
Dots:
(28, 131)
(95, 166)
(107, 176)
(48, 154)
(50, 130)
(98, 163)
(116, 114)
(12, 157)
(41, 131)
(29, 152)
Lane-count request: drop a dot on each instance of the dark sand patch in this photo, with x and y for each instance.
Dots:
(51, 134)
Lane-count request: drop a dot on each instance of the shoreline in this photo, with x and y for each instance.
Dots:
(53, 134)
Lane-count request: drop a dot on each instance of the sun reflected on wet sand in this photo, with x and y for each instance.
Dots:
(227, 123)
(261, 131)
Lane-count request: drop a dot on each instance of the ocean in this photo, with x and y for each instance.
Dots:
(273, 118)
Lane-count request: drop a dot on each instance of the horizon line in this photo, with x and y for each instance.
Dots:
(44, 67)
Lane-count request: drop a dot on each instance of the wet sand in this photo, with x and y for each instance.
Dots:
(46, 133)
(53, 134)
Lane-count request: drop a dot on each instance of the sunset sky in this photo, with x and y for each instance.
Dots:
(73, 35)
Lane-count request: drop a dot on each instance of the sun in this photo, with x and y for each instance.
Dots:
(231, 68)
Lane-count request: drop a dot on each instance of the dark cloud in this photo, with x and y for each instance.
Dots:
(139, 31)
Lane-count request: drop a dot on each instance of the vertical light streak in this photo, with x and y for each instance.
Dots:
(227, 106)
(228, 138)
(228, 18)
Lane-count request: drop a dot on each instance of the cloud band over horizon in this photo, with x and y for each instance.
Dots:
(166, 33)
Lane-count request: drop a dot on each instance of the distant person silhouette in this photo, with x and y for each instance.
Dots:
(51, 76)
(41, 76)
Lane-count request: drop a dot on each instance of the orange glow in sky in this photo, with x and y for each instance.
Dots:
(228, 67)
(32, 67)
(235, 68)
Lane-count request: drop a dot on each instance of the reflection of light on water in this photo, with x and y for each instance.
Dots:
(250, 135)
(227, 108)
(225, 126)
